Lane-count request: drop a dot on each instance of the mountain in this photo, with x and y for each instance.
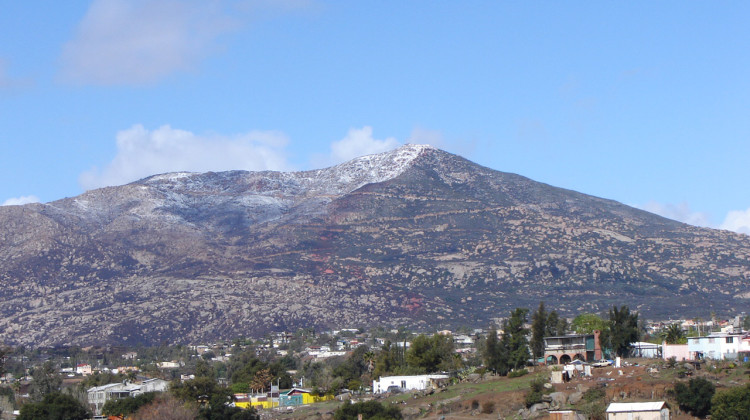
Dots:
(416, 237)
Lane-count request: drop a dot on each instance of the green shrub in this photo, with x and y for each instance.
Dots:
(595, 411)
(733, 403)
(536, 390)
(518, 373)
(371, 410)
(593, 394)
(126, 406)
(55, 406)
(593, 403)
(695, 397)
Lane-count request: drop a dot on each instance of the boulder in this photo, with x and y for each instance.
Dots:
(558, 398)
(542, 406)
(575, 397)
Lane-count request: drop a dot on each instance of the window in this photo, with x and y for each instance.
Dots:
(730, 339)
(403, 384)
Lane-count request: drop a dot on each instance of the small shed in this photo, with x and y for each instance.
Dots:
(651, 410)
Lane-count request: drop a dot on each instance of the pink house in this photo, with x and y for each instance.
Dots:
(678, 351)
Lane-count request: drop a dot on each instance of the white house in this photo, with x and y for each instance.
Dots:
(83, 369)
(715, 346)
(405, 383)
(168, 365)
(99, 395)
(152, 385)
(655, 410)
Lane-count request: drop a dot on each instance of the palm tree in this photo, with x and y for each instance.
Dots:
(369, 358)
(674, 334)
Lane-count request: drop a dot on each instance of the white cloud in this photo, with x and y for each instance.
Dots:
(737, 221)
(680, 212)
(141, 153)
(141, 41)
(19, 201)
(359, 142)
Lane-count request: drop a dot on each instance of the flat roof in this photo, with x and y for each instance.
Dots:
(636, 406)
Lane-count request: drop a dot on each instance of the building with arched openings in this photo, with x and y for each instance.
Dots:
(566, 348)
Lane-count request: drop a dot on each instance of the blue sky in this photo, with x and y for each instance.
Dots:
(646, 103)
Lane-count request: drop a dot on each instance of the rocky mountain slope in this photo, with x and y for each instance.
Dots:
(416, 237)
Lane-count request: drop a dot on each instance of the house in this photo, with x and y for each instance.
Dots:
(565, 348)
(300, 396)
(656, 410)
(152, 385)
(678, 351)
(99, 395)
(715, 346)
(168, 365)
(405, 383)
(83, 369)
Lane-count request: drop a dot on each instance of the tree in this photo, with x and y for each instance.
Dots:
(731, 404)
(194, 390)
(588, 323)
(556, 325)
(44, 380)
(353, 367)
(695, 397)
(214, 399)
(674, 334)
(514, 340)
(430, 354)
(261, 380)
(623, 330)
(538, 330)
(126, 406)
(4, 352)
(370, 410)
(369, 359)
(536, 391)
(167, 407)
(389, 360)
(495, 357)
(54, 406)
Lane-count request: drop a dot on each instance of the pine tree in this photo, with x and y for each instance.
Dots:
(538, 330)
(514, 340)
(492, 353)
(556, 325)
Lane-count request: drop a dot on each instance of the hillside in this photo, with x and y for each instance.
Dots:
(416, 237)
